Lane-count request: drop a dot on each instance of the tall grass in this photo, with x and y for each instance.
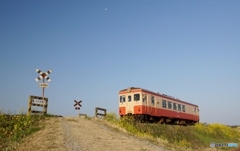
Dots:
(184, 137)
(13, 128)
(216, 133)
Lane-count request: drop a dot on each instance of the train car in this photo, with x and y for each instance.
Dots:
(149, 106)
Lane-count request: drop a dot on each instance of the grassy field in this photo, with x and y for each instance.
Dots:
(197, 137)
(13, 128)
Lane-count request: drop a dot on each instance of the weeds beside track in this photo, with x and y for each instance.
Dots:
(13, 128)
(197, 137)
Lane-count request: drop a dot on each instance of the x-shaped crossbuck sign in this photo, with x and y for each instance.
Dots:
(77, 103)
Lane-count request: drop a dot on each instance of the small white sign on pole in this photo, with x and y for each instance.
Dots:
(43, 85)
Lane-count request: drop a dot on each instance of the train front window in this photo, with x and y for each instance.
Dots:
(164, 104)
(174, 106)
(122, 98)
(136, 97)
(129, 98)
(169, 105)
(179, 107)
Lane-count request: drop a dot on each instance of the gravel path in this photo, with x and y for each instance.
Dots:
(68, 139)
(78, 134)
(89, 135)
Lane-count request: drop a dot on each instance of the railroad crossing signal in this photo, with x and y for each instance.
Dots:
(43, 75)
(77, 104)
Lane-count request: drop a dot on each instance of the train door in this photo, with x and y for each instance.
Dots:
(152, 105)
(144, 102)
(129, 104)
(196, 113)
(155, 105)
(148, 105)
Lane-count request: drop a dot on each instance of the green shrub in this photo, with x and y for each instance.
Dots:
(129, 124)
(112, 117)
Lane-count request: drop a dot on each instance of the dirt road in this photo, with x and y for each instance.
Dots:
(79, 134)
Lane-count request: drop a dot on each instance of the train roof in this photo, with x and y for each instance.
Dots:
(155, 93)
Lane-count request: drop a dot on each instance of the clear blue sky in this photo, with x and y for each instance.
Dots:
(188, 49)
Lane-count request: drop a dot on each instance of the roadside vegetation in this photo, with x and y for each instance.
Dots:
(15, 127)
(197, 137)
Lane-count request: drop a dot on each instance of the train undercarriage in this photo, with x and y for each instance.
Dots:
(144, 118)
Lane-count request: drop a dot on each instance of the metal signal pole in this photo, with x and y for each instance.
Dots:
(43, 96)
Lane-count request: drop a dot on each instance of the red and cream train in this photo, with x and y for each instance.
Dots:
(146, 105)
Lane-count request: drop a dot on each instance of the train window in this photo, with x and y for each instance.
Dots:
(169, 105)
(136, 97)
(179, 107)
(174, 106)
(164, 104)
(183, 108)
(122, 98)
(129, 98)
(152, 99)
